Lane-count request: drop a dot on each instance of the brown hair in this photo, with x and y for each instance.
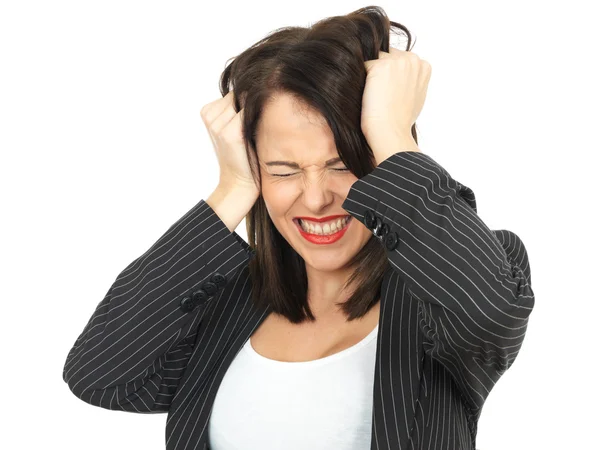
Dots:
(322, 67)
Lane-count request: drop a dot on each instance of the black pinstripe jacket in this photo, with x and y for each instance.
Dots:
(454, 310)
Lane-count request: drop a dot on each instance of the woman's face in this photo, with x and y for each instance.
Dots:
(310, 188)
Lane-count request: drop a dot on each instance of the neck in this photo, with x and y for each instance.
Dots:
(325, 290)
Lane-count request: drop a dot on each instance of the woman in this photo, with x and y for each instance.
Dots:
(372, 307)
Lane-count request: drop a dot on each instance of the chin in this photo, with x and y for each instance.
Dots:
(326, 261)
(326, 258)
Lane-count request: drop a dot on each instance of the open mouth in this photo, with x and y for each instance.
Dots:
(345, 222)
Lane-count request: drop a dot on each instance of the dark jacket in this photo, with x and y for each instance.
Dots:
(454, 311)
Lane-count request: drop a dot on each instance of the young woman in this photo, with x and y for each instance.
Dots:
(372, 308)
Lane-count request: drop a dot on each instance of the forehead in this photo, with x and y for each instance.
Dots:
(290, 130)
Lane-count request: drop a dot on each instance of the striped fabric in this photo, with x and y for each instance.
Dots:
(455, 303)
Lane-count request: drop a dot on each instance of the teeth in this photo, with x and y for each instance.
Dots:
(324, 229)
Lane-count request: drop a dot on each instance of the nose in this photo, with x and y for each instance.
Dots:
(317, 194)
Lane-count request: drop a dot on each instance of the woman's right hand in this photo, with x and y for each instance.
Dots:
(225, 128)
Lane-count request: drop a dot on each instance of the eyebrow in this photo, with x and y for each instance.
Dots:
(293, 165)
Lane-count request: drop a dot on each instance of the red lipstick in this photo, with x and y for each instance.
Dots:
(322, 219)
(321, 239)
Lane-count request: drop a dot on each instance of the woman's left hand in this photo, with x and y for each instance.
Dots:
(393, 98)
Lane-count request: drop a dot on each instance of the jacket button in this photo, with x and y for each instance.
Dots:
(186, 304)
(218, 279)
(210, 287)
(199, 296)
(369, 218)
(391, 240)
(385, 229)
(377, 227)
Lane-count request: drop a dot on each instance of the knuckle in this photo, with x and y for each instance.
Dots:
(203, 112)
(413, 57)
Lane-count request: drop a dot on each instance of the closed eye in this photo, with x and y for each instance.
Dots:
(290, 174)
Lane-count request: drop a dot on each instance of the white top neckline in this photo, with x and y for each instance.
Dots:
(315, 362)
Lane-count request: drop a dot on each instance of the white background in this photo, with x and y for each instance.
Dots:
(103, 149)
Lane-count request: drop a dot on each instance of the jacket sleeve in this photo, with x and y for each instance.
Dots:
(472, 284)
(135, 347)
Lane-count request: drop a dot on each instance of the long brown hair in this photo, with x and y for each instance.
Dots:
(323, 67)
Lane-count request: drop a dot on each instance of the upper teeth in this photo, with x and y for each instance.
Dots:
(323, 228)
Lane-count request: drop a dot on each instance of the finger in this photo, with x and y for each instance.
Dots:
(425, 75)
(223, 119)
(219, 106)
(381, 55)
(395, 52)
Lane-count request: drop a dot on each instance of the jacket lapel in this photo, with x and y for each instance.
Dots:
(227, 323)
(397, 366)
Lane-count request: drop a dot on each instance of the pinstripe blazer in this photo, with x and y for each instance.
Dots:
(455, 303)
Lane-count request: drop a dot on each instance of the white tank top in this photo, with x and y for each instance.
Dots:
(272, 405)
